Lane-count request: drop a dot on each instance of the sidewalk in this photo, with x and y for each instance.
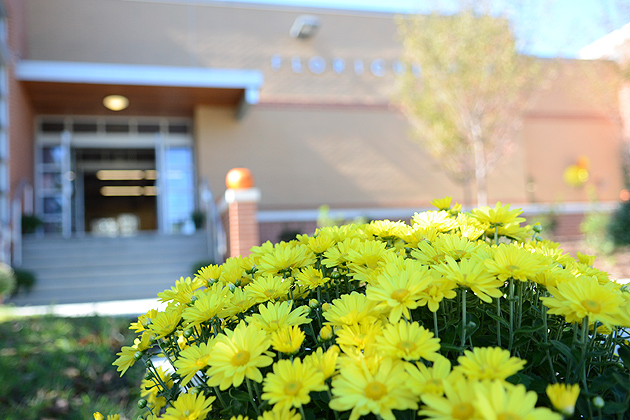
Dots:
(112, 308)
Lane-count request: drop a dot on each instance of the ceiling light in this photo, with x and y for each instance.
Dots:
(119, 174)
(115, 102)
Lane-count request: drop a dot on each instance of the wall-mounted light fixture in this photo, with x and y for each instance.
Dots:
(115, 102)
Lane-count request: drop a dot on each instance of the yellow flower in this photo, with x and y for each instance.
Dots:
(209, 274)
(337, 255)
(166, 322)
(586, 259)
(311, 277)
(429, 380)
(458, 402)
(291, 383)
(469, 227)
(350, 309)
(408, 341)
(360, 336)
(438, 290)
(440, 220)
(472, 274)
(386, 229)
(356, 388)
(126, 358)
(456, 246)
(280, 414)
(563, 397)
(428, 253)
(497, 216)
(442, 203)
(99, 416)
(366, 257)
(326, 333)
(239, 417)
(400, 288)
(143, 321)
(488, 363)
(192, 360)
(269, 287)
(320, 243)
(182, 291)
(285, 258)
(152, 387)
(324, 362)
(585, 297)
(512, 261)
(234, 273)
(240, 301)
(209, 303)
(506, 401)
(238, 354)
(279, 315)
(287, 340)
(189, 407)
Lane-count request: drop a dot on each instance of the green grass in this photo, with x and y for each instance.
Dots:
(61, 368)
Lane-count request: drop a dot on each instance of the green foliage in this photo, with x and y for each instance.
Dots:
(24, 280)
(30, 223)
(595, 230)
(60, 368)
(7, 280)
(619, 225)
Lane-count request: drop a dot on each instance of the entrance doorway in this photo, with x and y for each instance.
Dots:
(116, 191)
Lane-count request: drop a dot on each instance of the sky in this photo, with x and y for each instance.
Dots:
(545, 28)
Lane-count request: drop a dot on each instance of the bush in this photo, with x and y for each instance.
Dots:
(619, 225)
(30, 223)
(596, 233)
(7, 281)
(25, 280)
(459, 315)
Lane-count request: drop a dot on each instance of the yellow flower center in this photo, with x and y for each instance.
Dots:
(202, 361)
(292, 388)
(406, 346)
(512, 268)
(270, 292)
(400, 294)
(508, 416)
(463, 411)
(433, 386)
(375, 390)
(591, 306)
(241, 358)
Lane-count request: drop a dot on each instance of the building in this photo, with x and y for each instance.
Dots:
(215, 85)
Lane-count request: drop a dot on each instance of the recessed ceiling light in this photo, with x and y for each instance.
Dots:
(115, 102)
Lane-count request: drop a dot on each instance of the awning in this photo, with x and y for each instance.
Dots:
(73, 88)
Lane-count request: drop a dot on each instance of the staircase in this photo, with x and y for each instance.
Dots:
(97, 269)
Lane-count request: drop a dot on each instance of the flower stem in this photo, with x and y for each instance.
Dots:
(435, 324)
(498, 322)
(463, 317)
(251, 396)
(219, 396)
(511, 302)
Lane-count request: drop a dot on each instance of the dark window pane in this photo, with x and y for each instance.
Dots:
(52, 126)
(84, 127)
(148, 128)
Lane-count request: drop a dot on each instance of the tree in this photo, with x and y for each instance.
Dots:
(466, 105)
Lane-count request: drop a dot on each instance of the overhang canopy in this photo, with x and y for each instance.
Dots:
(71, 88)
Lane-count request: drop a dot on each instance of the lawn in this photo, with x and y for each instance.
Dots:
(61, 368)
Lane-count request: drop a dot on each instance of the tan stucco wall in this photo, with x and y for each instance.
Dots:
(306, 157)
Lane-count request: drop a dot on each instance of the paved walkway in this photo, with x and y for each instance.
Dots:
(112, 308)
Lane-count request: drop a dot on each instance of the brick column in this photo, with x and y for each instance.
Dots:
(239, 212)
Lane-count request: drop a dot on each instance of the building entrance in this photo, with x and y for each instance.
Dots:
(114, 177)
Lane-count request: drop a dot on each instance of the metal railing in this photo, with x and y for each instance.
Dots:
(22, 203)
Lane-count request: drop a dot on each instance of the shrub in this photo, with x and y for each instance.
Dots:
(619, 225)
(458, 315)
(7, 281)
(24, 280)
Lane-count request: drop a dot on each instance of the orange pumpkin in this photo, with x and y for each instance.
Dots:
(239, 179)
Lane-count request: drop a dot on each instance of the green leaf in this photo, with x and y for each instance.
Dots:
(498, 318)
(239, 395)
(624, 354)
(564, 349)
(622, 380)
(613, 407)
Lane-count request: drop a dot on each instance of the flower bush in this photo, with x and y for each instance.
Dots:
(459, 315)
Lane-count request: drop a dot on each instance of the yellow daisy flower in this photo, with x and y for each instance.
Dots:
(280, 414)
(428, 253)
(152, 387)
(442, 203)
(127, 357)
(166, 322)
(191, 360)
(239, 302)
(472, 274)
(440, 220)
(143, 321)
(287, 340)
(238, 354)
(366, 257)
(400, 289)
(497, 216)
(209, 303)
(351, 309)
(209, 274)
(506, 401)
(360, 336)
(419, 234)
(512, 261)
(585, 297)
(269, 288)
(311, 277)
(291, 383)
(563, 397)
(182, 291)
(285, 258)
(469, 227)
(337, 255)
(408, 341)
(456, 246)
(239, 417)
(386, 229)
(356, 388)
(439, 289)
(99, 416)
(324, 362)
(458, 402)
(586, 259)
(278, 315)
(320, 244)
(429, 380)
(341, 233)
(488, 363)
(189, 407)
